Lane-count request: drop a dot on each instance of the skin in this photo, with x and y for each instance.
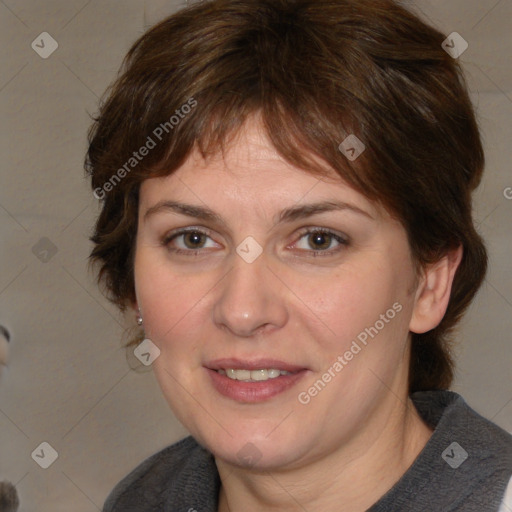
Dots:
(356, 437)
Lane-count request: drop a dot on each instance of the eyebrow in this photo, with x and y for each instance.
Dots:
(287, 215)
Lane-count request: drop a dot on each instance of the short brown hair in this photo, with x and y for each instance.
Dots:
(316, 71)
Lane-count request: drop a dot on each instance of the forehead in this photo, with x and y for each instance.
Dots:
(249, 174)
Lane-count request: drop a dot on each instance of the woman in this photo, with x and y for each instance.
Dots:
(286, 209)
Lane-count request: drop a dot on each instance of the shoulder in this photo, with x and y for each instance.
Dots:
(470, 453)
(170, 476)
(465, 466)
(447, 411)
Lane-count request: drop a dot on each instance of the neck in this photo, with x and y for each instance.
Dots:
(360, 473)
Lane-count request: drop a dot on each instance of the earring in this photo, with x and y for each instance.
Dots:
(139, 318)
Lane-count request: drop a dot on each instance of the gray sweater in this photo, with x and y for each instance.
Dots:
(465, 467)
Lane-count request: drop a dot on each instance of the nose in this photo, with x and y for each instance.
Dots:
(251, 300)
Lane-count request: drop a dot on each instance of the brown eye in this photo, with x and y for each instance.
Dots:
(194, 239)
(320, 240)
(188, 241)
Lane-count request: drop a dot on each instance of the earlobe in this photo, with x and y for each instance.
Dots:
(433, 292)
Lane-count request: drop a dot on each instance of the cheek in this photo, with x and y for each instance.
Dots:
(341, 305)
(169, 301)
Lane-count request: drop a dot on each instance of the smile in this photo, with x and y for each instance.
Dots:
(253, 375)
(253, 381)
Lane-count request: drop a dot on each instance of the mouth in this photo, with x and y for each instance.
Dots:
(259, 375)
(253, 381)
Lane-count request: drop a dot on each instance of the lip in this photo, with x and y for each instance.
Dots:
(255, 364)
(253, 392)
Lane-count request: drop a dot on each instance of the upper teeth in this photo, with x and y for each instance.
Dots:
(252, 375)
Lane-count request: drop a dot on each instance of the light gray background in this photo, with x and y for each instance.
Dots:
(68, 382)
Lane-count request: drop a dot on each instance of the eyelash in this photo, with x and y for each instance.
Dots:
(194, 252)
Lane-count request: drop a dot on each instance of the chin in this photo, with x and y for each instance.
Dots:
(252, 447)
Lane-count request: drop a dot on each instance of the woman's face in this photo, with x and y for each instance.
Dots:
(265, 280)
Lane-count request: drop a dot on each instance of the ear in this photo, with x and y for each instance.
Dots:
(433, 292)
